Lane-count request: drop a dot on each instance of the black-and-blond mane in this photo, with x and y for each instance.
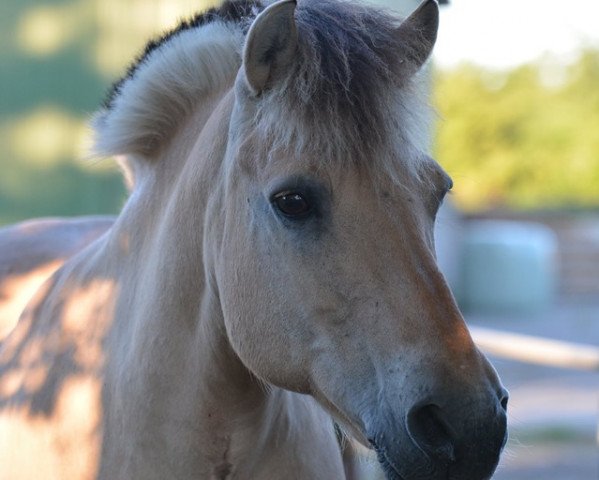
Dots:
(348, 94)
(174, 72)
(240, 12)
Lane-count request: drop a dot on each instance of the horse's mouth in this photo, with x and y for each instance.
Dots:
(391, 472)
(389, 469)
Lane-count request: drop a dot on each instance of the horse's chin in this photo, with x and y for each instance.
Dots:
(392, 471)
(389, 470)
(401, 471)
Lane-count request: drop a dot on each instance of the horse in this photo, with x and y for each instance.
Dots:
(272, 270)
(31, 251)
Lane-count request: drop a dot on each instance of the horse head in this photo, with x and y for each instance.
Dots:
(325, 262)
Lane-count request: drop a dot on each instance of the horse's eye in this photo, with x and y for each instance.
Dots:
(291, 204)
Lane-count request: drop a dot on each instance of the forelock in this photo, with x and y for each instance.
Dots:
(345, 96)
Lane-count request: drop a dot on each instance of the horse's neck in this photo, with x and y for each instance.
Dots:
(180, 391)
(174, 386)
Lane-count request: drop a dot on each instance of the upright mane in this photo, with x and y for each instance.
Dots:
(349, 95)
(173, 73)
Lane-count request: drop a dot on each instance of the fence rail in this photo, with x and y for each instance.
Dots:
(526, 348)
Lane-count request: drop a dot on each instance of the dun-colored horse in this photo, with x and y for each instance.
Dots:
(30, 252)
(273, 268)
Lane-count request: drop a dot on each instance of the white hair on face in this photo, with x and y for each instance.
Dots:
(165, 88)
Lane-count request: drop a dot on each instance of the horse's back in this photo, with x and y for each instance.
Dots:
(51, 362)
(31, 251)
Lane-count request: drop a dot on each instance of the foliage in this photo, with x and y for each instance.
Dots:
(57, 59)
(525, 138)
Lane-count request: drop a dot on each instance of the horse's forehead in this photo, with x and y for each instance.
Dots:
(398, 172)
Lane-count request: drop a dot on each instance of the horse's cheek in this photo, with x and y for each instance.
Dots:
(262, 332)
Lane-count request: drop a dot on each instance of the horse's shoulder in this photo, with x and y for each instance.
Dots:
(28, 244)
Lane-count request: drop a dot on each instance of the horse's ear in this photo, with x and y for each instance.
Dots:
(270, 46)
(417, 35)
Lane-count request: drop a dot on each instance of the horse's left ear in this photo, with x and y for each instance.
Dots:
(417, 35)
(271, 45)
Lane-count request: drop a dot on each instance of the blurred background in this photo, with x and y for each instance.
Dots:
(57, 60)
(516, 88)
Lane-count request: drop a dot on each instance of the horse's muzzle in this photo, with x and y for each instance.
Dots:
(442, 441)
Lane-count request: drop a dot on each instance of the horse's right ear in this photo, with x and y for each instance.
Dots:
(417, 36)
(271, 45)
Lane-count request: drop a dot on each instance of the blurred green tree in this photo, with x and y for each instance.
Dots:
(525, 138)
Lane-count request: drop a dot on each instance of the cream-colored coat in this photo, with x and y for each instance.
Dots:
(211, 335)
(31, 251)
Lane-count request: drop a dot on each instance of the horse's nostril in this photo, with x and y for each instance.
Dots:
(431, 432)
(504, 397)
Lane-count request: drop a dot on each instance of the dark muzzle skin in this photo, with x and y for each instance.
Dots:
(443, 437)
